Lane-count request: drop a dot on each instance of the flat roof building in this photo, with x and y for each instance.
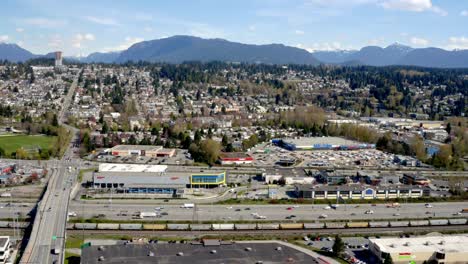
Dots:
(320, 143)
(118, 167)
(4, 248)
(229, 158)
(441, 249)
(197, 252)
(141, 150)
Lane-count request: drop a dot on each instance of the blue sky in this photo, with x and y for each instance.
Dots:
(82, 27)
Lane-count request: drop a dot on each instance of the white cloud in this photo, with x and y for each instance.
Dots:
(19, 30)
(148, 29)
(102, 20)
(55, 41)
(419, 41)
(324, 46)
(129, 41)
(79, 38)
(299, 32)
(205, 31)
(464, 13)
(458, 43)
(252, 28)
(376, 41)
(4, 38)
(45, 22)
(413, 5)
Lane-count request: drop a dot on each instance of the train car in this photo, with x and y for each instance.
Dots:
(357, 224)
(419, 223)
(378, 224)
(5, 224)
(458, 221)
(178, 227)
(131, 226)
(438, 222)
(335, 225)
(246, 226)
(286, 226)
(222, 226)
(154, 227)
(108, 226)
(70, 226)
(314, 225)
(200, 227)
(85, 226)
(268, 226)
(399, 223)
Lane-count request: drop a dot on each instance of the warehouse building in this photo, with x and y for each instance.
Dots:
(320, 143)
(359, 191)
(205, 251)
(433, 249)
(141, 150)
(152, 179)
(234, 158)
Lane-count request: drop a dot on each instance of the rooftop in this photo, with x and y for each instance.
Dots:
(137, 147)
(113, 167)
(245, 253)
(309, 141)
(457, 243)
(3, 241)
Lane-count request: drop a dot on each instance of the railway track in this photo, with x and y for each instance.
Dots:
(341, 231)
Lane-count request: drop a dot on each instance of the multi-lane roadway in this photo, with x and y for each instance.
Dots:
(123, 211)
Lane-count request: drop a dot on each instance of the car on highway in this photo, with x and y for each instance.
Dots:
(327, 208)
(289, 208)
(428, 205)
(238, 210)
(396, 214)
(247, 209)
(322, 216)
(369, 212)
(457, 213)
(158, 208)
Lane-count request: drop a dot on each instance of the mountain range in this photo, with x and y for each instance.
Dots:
(178, 49)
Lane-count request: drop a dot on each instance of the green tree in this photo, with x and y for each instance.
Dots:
(388, 259)
(210, 150)
(105, 128)
(338, 246)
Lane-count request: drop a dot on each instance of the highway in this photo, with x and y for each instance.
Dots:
(49, 226)
(125, 211)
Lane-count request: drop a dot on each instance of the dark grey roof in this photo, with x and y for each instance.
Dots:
(356, 187)
(194, 254)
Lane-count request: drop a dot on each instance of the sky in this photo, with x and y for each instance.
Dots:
(82, 27)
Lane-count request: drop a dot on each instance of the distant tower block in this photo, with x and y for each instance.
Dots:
(58, 59)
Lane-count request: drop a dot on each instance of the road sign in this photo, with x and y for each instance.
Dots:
(54, 237)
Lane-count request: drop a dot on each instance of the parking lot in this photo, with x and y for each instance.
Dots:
(181, 158)
(267, 154)
(356, 248)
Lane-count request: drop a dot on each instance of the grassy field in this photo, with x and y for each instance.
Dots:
(12, 143)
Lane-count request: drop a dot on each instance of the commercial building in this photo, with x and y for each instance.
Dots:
(4, 249)
(141, 150)
(152, 179)
(206, 251)
(415, 179)
(440, 249)
(230, 158)
(58, 59)
(359, 191)
(320, 143)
